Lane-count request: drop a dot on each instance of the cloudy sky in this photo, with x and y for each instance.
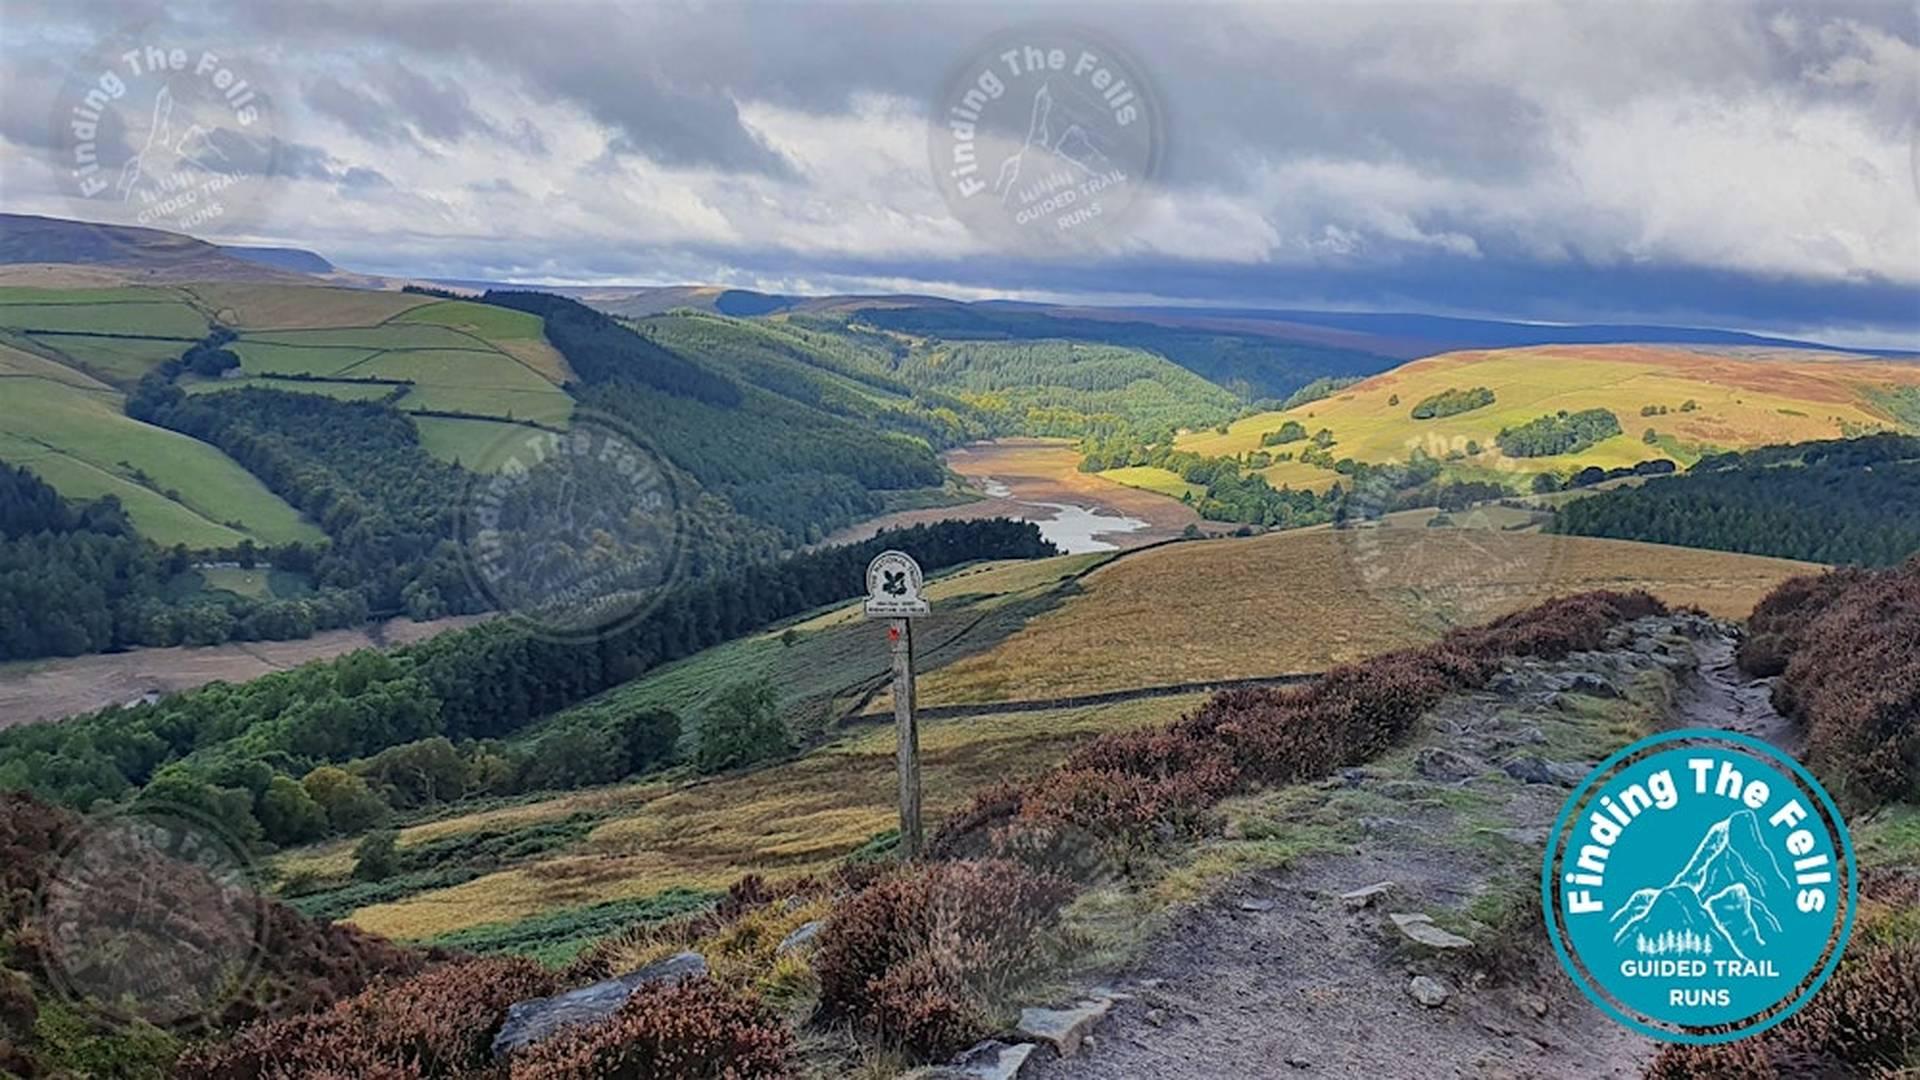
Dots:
(1731, 164)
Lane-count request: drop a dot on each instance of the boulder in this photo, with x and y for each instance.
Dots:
(1532, 769)
(800, 938)
(1366, 895)
(530, 1021)
(1421, 930)
(1439, 763)
(1586, 682)
(1063, 1029)
(1429, 991)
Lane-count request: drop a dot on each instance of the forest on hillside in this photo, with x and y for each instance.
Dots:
(1835, 501)
(265, 758)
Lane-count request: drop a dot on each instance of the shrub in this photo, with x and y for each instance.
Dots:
(1865, 1022)
(375, 857)
(1849, 675)
(741, 726)
(437, 1024)
(917, 956)
(689, 1030)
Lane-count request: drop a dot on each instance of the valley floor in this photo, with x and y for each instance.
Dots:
(48, 689)
(1039, 480)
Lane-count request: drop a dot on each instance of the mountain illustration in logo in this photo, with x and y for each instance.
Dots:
(1716, 904)
(1073, 145)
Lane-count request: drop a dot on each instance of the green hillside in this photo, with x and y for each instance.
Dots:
(72, 432)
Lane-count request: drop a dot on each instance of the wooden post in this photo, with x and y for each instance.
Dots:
(900, 637)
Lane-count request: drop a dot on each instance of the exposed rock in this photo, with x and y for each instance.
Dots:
(1366, 895)
(991, 1060)
(1585, 682)
(1429, 991)
(1256, 905)
(1532, 769)
(533, 1020)
(1422, 930)
(1534, 1004)
(800, 938)
(1439, 763)
(1063, 1029)
(1156, 1017)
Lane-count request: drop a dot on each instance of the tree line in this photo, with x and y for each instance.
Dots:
(233, 751)
(1834, 501)
(75, 578)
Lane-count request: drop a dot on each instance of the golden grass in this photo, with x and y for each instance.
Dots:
(1744, 401)
(788, 820)
(1303, 601)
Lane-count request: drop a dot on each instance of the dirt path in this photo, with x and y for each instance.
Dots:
(1281, 977)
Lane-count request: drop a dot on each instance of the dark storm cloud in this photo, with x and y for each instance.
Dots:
(1527, 139)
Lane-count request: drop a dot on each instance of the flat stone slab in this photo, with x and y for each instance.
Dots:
(1366, 894)
(530, 1021)
(1063, 1029)
(993, 1061)
(1421, 930)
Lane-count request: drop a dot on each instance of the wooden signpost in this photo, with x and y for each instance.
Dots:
(893, 594)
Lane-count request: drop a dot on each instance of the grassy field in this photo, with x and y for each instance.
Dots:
(1148, 478)
(342, 390)
(151, 318)
(60, 352)
(120, 361)
(1742, 401)
(175, 489)
(270, 358)
(823, 666)
(259, 583)
(481, 445)
(296, 307)
(1303, 601)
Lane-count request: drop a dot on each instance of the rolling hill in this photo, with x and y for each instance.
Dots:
(1011, 644)
(1694, 401)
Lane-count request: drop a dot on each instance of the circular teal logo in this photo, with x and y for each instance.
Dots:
(1699, 886)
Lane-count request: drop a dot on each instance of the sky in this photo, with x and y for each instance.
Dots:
(1745, 165)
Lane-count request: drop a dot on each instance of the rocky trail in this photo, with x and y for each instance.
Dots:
(1348, 964)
